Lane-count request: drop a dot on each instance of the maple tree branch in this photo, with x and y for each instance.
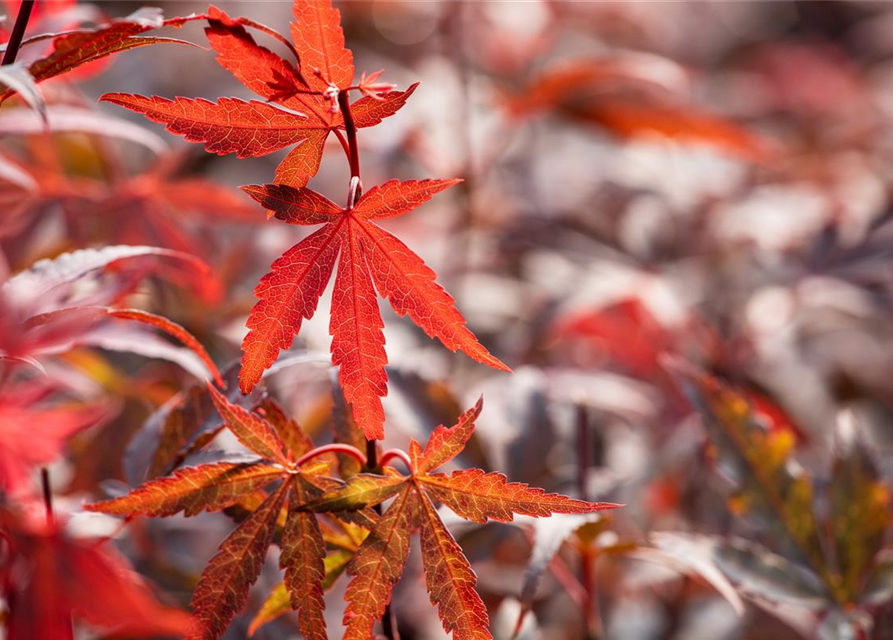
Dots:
(18, 32)
(346, 449)
(371, 454)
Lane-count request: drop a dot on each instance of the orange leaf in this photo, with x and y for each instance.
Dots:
(224, 584)
(369, 111)
(230, 125)
(294, 206)
(451, 582)
(444, 444)
(303, 551)
(394, 198)
(297, 443)
(368, 253)
(258, 68)
(252, 431)
(377, 566)
(479, 496)
(287, 295)
(210, 487)
(357, 337)
(319, 40)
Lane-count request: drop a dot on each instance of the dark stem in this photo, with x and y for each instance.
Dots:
(591, 618)
(47, 494)
(388, 620)
(584, 450)
(371, 455)
(18, 32)
(350, 128)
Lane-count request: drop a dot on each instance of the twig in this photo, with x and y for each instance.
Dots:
(388, 620)
(18, 32)
(47, 494)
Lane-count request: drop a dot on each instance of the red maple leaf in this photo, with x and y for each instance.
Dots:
(298, 490)
(367, 255)
(34, 426)
(300, 107)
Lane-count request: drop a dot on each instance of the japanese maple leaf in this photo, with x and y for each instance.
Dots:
(299, 107)
(472, 494)
(35, 424)
(223, 587)
(51, 577)
(365, 254)
(78, 47)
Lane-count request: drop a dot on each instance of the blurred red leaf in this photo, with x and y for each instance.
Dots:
(57, 577)
(34, 429)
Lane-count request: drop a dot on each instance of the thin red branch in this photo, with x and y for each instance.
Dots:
(390, 454)
(346, 449)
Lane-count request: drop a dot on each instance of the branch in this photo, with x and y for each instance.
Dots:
(18, 32)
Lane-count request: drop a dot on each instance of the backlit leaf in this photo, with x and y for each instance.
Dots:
(368, 253)
(451, 582)
(209, 487)
(302, 556)
(252, 431)
(479, 496)
(377, 566)
(319, 40)
(224, 584)
(360, 491)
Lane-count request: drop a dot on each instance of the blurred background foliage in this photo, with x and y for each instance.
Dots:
(675, 226)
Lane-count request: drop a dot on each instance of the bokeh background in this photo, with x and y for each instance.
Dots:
(675, 227)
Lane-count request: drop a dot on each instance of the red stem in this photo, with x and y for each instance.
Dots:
(390, 454)
(346, 449)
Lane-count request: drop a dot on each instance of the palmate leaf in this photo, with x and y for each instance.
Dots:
(319, 41)
(224, 585)
(471, 494)
(478, 496)
(368, 255)
(209, 487)
(255, 433)
(296, 111)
